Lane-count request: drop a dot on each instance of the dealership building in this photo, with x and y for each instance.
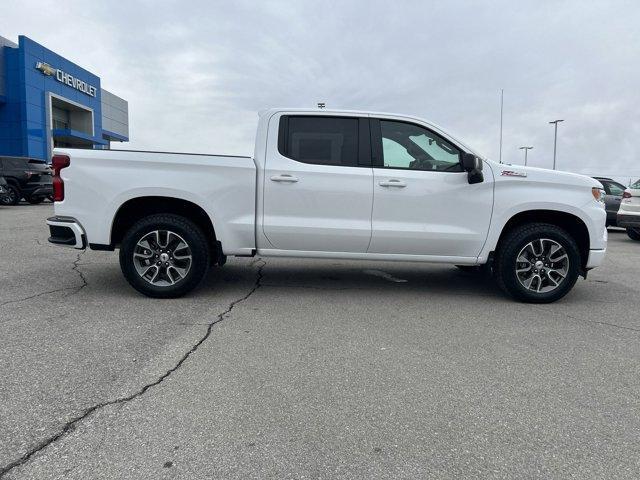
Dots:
(47, 101)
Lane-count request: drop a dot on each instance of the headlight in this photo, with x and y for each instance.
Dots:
(598, 194)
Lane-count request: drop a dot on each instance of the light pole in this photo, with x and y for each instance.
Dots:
(555, 140)
(526, 149)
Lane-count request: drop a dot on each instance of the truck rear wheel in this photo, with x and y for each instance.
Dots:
(634, 233)
(164, 256)
(537, 263)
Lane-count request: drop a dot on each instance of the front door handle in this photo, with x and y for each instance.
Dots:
(394, 182)
(284, 178)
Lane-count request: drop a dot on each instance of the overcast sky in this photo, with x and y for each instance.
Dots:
(195, 73)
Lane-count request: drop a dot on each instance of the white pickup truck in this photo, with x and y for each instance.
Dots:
(331, 184)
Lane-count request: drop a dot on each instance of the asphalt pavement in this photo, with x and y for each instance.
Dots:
(279, 368)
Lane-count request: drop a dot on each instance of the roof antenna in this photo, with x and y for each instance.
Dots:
(321, 105)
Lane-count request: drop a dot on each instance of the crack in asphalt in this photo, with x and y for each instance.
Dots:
(77, 289)
(76, 268)
(584, 320)
(71, 424)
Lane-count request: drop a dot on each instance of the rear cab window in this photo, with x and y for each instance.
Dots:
(324, 140)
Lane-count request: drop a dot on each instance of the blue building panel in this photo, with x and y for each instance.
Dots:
(47, 99)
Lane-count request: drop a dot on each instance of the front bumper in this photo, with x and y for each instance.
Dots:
(628, 221)
(66, 231)
(596, 258)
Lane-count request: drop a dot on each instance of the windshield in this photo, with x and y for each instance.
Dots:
(635, 185)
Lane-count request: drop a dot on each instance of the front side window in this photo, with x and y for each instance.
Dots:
(320, 140)
(409, 146)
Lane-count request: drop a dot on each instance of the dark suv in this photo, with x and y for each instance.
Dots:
(27, 178)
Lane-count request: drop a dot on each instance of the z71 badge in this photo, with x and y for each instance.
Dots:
(513, 173)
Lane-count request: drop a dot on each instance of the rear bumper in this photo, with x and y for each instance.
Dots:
(626, 221)
(66, 231)
(596, 258)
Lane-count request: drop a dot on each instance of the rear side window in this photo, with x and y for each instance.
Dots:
(319, 140)
(613, 188)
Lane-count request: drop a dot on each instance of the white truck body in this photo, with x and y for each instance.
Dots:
(273, 205)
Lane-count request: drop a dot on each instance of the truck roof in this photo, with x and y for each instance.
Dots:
(326, 111)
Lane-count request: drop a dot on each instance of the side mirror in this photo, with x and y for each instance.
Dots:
(473, 166)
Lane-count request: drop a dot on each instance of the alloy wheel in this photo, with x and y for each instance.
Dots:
(542, 265)
(10, 198)
(162, 258)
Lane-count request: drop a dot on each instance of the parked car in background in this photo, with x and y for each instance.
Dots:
(612, 199)
(629, 213)
(4, 190)
(27, 178)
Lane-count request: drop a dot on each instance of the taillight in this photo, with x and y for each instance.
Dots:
(58, 163)
(626, 195)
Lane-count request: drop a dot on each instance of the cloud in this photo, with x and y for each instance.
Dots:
(196, 73)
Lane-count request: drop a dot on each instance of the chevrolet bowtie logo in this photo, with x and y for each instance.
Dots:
(45, 68)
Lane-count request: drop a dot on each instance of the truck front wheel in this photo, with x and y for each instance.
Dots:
(537, 263)
(164, 256)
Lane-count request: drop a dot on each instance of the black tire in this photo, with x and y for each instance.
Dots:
(634, 233)
(512, 245)
(189, 233)
(35, 200)
(13, 195)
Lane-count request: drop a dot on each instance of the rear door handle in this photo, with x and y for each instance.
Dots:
(394, 182)
(284, 178)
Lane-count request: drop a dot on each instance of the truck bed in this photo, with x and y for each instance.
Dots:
(99, 182)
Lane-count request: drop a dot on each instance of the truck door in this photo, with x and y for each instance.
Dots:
(318, 184)
(422, 202)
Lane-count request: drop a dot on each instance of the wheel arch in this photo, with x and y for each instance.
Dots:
(137, 208)
(569, 222)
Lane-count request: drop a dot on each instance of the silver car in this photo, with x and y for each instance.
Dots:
(629, 213)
